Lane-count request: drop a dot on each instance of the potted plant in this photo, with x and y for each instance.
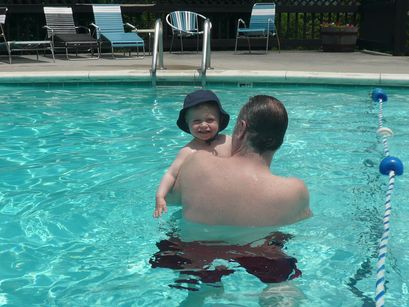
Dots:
(338, 37)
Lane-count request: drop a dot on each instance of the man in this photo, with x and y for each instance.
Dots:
(241, 190)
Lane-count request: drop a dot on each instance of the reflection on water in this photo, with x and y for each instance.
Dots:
(78, 172)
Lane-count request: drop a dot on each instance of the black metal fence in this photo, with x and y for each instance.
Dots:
(383, 24)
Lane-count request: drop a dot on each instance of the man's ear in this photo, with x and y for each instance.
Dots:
(242, 128)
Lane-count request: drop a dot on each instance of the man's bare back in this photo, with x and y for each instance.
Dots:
(239, 191)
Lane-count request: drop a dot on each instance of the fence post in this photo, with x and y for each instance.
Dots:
(400, 26)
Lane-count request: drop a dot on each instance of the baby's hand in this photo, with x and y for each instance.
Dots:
(160, 207)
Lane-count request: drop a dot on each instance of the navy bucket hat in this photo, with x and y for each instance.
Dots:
(195, 98)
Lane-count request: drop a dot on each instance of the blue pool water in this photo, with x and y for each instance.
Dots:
(79, 166)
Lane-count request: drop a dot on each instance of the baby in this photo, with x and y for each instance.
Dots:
(203, 117)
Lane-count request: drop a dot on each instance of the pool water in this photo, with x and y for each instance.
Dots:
(79, 166)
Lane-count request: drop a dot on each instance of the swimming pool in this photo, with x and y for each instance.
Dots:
(80, 165)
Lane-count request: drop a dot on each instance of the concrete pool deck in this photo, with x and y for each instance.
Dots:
(286, 67)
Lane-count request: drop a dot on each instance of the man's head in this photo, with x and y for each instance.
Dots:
(195, 100)
(263, 119)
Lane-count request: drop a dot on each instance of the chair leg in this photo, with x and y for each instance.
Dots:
(181, 44)
(248, 42)
(9, 51)
(171, 43)
(197, 43)
(268, 35)
(99, 47)
(235, 46)
(52, 51)
(112, 51)
(278, 43)
(66, 52)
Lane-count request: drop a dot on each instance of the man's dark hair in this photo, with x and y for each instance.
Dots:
(267, 121)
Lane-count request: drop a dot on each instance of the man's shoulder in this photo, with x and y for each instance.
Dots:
(201, 156)
(199, 162)
(294, 186)
(296, 183)
(297, 194)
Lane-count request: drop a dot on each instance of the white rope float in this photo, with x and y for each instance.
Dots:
(390, 166)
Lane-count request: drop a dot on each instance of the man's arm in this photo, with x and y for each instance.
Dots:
(303, 200)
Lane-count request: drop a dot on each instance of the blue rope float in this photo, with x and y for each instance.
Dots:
(390, 166)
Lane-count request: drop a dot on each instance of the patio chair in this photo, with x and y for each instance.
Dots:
(12, 46)
(110, 28)
(184, 24)
(261, 25)
(63, 32)
(3, 11)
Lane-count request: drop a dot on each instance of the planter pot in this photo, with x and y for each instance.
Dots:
(339, 39)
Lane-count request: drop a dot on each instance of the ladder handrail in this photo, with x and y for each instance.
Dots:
(206, 50)
(157, 48)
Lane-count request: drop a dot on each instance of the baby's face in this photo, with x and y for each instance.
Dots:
(203, 121)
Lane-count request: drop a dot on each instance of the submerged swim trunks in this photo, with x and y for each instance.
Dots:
(266, 261)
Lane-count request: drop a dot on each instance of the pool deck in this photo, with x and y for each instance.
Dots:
(285, 67)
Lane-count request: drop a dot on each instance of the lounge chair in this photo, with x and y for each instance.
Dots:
(3, 11)
(63, 32)
(12, 46)
(184, 24)
(261, 25)
(110, 28)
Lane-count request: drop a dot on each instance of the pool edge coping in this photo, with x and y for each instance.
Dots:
(193, 76)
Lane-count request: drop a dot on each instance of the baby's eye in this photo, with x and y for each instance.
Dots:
(197, 121)
(210, 120)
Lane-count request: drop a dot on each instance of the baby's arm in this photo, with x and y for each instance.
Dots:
(168, 180)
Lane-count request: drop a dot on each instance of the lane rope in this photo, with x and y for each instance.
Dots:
(390, 166)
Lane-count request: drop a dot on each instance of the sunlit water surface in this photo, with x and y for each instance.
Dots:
(79, 166)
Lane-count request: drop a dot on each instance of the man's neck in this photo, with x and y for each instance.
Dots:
(264, 158)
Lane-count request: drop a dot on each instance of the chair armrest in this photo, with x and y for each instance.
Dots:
(97, 29)
(241, 21)
(201, 16)
(94, 25)
(48, 28)
(84, 28)
(130, 26)
(271, 21)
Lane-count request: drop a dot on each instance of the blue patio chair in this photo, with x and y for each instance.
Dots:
(63, 33)
(184, 24)
(261, 25)
(110, 28)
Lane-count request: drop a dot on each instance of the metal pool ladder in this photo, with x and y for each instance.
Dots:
(157, 54)
(206, 51)
(157, 50)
